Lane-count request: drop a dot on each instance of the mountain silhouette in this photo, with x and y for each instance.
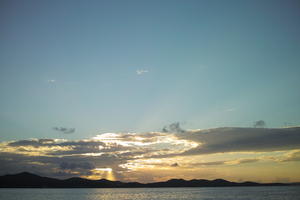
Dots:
(29, 180)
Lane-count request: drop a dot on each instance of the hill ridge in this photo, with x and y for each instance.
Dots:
(30, 180)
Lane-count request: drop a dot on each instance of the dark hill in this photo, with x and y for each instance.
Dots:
(28, 180)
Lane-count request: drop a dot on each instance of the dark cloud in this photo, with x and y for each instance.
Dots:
(81, 165)
(33, 142)
(225, 162)
(56, 166)
(207, 163)
(259, 124)
(64, 130)
(175, 165)
(247, 160)
(173, 128)
(220, 140)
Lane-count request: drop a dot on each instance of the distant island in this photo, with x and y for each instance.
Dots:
(29, 180)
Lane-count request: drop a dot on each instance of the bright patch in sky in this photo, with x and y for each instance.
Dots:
(103, 169)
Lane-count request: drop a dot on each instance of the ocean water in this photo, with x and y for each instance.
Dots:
(225, 193)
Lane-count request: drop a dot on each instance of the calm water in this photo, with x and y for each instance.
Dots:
(228, 193)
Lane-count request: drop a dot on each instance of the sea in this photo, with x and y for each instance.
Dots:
(199, 193)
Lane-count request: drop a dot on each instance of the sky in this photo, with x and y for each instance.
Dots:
(93, 80)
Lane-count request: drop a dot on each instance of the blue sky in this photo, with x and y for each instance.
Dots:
(209, 64)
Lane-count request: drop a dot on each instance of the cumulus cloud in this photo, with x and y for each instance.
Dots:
(64, 130)
(220, 140)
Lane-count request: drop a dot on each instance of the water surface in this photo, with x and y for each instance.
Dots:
(219, 193)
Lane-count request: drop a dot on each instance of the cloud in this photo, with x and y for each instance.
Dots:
(259, 124)
(243, 161)
(221, 140)
(72, 165)
(51, 81)
(230, 109)
(128, 153)
(64, 130)
(60, 157)
(63, 147)
(173, 128)
(206, 163)
(190, 164)
(175, 165)
(141, 71)
(292, 156)
(225, 162)
(33, 142)
(55, 166)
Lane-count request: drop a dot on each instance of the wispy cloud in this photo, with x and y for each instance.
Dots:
(51, 81)
(141, 71)
(64, 130)
(230, 109)
(292, 156)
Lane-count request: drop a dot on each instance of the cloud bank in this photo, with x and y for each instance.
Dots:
(128, 153)
(220, 140)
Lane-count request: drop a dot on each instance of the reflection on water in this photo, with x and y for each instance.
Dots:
(228, 193)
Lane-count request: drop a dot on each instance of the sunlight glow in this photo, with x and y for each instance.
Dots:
(104, 169)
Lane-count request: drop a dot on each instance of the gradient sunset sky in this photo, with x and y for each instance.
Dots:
(151, 90)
